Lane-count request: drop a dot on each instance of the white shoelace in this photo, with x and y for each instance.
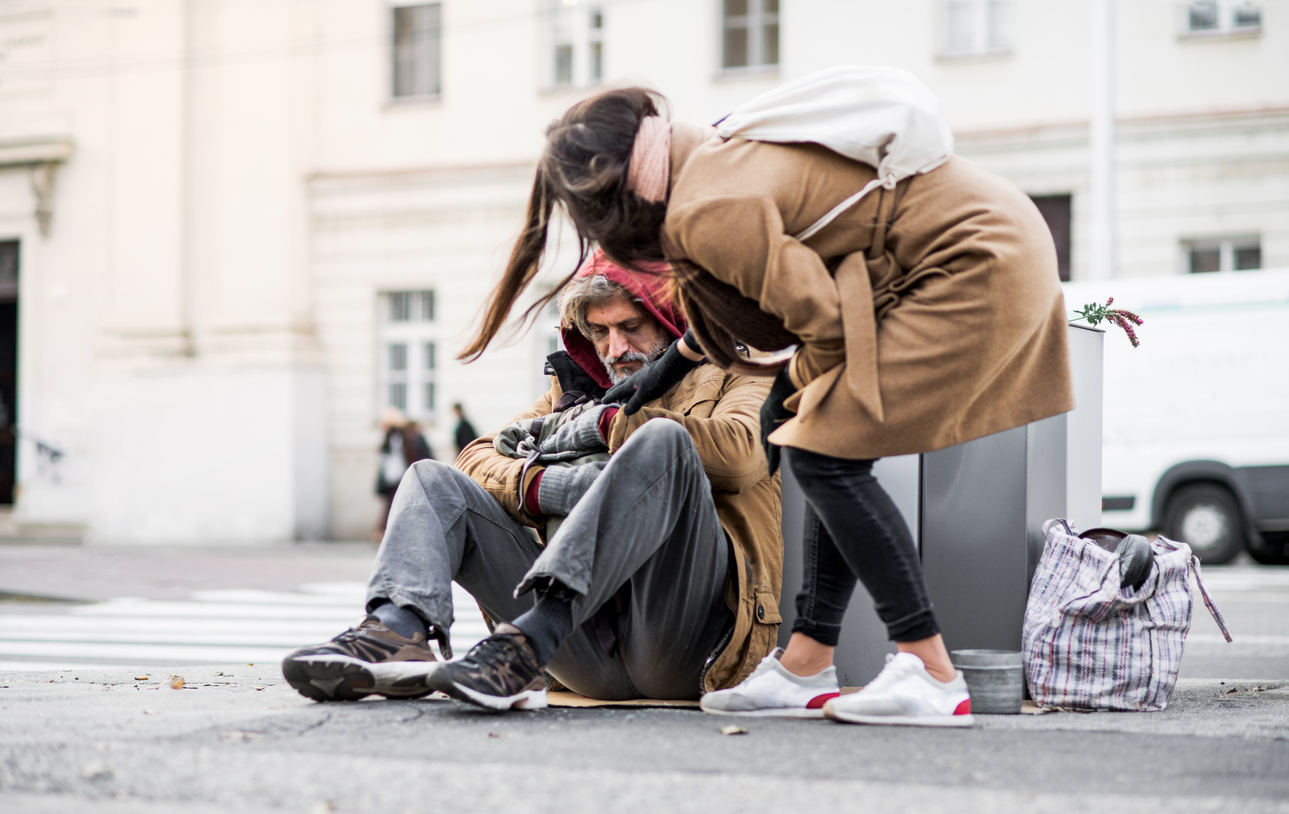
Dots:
(892, 673)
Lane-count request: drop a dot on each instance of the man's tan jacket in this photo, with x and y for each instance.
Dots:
(721, 411)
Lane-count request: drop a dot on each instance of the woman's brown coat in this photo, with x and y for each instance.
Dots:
(928, 315)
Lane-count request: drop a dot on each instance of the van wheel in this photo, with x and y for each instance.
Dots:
(1274, 549)
(1206, 517)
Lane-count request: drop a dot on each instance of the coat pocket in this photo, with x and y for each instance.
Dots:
(766, 611)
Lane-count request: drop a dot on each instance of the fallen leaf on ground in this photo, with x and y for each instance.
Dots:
(241, 736)
(96, 770)
(176, 682)
(733, 729)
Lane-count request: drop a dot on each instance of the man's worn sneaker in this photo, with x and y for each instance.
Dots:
(366, 660)
(772, 691)
(499, 673)
(905, 694)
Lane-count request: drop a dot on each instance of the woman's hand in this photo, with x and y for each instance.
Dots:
(774, 414)
(654, 379)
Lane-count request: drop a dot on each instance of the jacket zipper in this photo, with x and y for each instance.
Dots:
(715, 654)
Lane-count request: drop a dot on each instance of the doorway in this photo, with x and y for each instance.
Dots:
(9, 257)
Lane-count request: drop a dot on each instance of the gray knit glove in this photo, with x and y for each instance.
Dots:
(562, 487)
(581, 434)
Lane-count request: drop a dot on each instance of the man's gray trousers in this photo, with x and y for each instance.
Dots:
(648, 521)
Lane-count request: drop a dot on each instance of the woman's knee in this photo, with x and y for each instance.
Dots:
(809, 466)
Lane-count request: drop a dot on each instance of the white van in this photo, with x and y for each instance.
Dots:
(1196, 422)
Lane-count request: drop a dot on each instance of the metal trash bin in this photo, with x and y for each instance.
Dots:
(976, 512)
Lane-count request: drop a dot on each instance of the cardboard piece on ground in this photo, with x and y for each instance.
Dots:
(564, 698)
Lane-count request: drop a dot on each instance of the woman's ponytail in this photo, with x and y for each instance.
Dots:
(525, 261)
(584, 168)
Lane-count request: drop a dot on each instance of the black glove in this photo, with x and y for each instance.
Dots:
(773, 414)
(652, 381)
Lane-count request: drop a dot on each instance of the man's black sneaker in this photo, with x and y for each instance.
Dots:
(499, 673)
(366, 660)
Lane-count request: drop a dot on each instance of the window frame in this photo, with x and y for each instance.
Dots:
(756, 22)
(570, 26)
(418, 334)
(982, 18)
(547, 338)
(1225, 28)
(391, 62)
(1227, 248)
(1057, 209)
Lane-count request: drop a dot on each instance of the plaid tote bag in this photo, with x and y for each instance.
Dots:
(1090, 644)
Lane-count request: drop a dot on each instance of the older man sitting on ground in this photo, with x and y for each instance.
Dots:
(662, 580)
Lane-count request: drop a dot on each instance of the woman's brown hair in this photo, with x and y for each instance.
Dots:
(583, 168)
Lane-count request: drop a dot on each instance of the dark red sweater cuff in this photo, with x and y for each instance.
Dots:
(531, 505)
(606, 418)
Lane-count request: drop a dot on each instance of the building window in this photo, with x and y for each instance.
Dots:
(548, 340)
(975, 27)
(577, 43)
(417, 50)
(1205, 18)
(1223, 254)
(1055, 209)
(750, 34)
(408, 353)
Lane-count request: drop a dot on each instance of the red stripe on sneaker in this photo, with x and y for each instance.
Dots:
(819, 700)
(964, 708)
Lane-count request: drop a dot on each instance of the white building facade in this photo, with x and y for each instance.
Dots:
(232, 232)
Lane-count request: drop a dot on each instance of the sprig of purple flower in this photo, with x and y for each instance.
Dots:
(1094, 313)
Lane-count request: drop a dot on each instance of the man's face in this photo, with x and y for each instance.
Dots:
(625, 337)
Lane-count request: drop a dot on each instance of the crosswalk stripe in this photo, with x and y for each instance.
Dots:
(211, 627)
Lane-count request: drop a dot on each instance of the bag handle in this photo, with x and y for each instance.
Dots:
(1047, 527)
(1208, 603)
(837, 210)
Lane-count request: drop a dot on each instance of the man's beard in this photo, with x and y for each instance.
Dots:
(633, 356)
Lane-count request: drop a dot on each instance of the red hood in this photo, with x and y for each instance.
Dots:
(648, 289)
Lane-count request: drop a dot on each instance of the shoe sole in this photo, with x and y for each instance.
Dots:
(342, 678)
(526, 700)
(900, 720)
(774, 712)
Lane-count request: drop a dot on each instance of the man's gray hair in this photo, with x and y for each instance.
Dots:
(583, 292)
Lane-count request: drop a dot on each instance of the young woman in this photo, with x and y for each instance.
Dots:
(924, 316)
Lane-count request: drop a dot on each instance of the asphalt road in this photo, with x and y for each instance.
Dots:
(235, 738)
(101, 741)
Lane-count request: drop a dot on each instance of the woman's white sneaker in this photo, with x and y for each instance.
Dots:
(772, 691)
(905, 694)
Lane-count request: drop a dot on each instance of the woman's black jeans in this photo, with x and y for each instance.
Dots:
(853, 531)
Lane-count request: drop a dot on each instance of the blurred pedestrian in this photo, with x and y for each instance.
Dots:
(464, 432)
(402, 446)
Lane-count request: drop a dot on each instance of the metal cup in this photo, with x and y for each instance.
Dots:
(995, 679)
